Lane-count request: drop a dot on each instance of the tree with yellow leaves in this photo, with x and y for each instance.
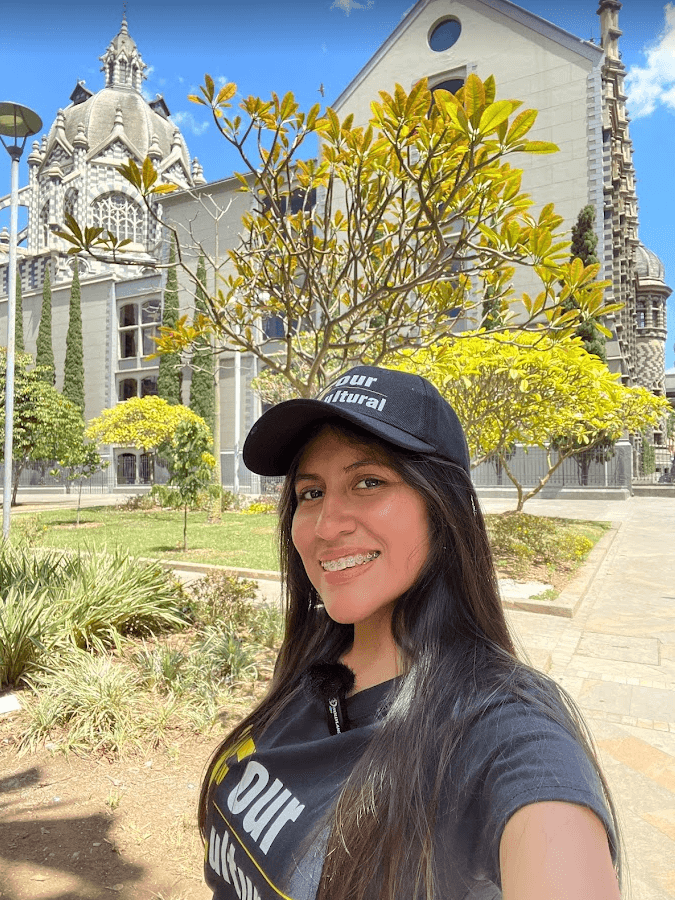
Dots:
(142, 422)
(393, 235)
(519, 387)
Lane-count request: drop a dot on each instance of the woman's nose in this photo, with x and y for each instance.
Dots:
(335, 518)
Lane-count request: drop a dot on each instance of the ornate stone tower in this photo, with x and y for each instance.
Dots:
(621, 206)
(74, 168)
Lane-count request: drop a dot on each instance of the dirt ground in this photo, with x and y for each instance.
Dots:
(74, 828)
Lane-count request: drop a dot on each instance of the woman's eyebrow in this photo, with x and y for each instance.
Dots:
(372, 461)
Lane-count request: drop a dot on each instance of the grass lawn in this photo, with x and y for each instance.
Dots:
(246, 541)
(525, 547)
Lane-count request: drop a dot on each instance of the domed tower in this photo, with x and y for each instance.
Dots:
(652, 294)
(74, 170)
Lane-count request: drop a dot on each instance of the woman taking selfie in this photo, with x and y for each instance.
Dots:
(403, 751)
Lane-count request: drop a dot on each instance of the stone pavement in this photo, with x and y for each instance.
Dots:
(616, 657)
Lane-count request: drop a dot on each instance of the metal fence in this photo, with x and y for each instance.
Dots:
(530, 464)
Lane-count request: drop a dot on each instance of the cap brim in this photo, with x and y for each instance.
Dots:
(277, 436)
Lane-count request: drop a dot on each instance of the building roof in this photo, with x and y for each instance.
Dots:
(648, 266)
(91, 118)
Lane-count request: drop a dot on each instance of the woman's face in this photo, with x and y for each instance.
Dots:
(361, 531)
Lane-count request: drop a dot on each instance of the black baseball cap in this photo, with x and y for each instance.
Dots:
(404, 409)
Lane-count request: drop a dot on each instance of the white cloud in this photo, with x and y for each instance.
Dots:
(653, 85)
(349, 5)
(186, 120)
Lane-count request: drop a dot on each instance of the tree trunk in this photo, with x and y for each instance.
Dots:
(185, 512)
(17, 469)
(79, 501)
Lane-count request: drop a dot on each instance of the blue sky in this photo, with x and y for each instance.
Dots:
(302, 44)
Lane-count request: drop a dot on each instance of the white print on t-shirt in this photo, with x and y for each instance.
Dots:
(221, 860)
(273, 808)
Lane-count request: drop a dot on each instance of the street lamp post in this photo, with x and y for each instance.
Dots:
(17, 123)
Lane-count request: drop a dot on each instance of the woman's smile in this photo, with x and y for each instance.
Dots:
(360, 530)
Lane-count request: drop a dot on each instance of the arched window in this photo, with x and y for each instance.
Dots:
(149, 386)
(44, 226)
(452, 85)
(127, 388)
(120, 215)
(70, 202)
(126, 468)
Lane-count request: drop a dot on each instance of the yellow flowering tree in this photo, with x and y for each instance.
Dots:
(519, 387)
(142, 422)
(396, 231)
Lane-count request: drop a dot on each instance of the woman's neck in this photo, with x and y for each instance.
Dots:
(374, 656)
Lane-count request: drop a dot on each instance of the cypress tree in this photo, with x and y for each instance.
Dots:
(18, 330)
(44, 355)
(170, 378)
(73, 370)
(584, 243)
(202, 387)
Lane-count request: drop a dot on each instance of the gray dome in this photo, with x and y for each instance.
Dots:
(119, 108)
(648, 266)
(141, 123)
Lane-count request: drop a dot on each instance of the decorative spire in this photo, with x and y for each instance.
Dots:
(123, 65)
(609, 27)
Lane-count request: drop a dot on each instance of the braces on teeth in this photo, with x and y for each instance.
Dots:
(335, 565)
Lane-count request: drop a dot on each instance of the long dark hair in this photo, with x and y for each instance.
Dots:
(459, 661)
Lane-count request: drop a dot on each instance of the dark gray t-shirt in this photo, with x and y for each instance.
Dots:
(272, 795)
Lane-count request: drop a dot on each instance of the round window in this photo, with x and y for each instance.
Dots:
(444, 35)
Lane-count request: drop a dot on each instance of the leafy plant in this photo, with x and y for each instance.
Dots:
(26, 631)
(110, 595)
(91, 699)
(222, 655)
(519, 541)
(220, 598)
(190, 462)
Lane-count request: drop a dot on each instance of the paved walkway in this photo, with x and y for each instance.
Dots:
(616, 657)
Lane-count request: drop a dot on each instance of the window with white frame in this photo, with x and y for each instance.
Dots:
(138, 327)
(120, 215)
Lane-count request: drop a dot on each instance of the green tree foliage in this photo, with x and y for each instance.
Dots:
(368, 247)
(584, 244)
(46, 425)
(202, 386)
(19, 346)
(523, 388)
(191, 463)
(170, 380)
(80, 460)
(44, 355)
(73, 371)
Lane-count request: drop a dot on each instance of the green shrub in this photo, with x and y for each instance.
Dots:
(110, 595)
(219, 597)
(138, 501)
(28, 531)
(219, 655)
(91, 699)
(520, 540)
(27, 631)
